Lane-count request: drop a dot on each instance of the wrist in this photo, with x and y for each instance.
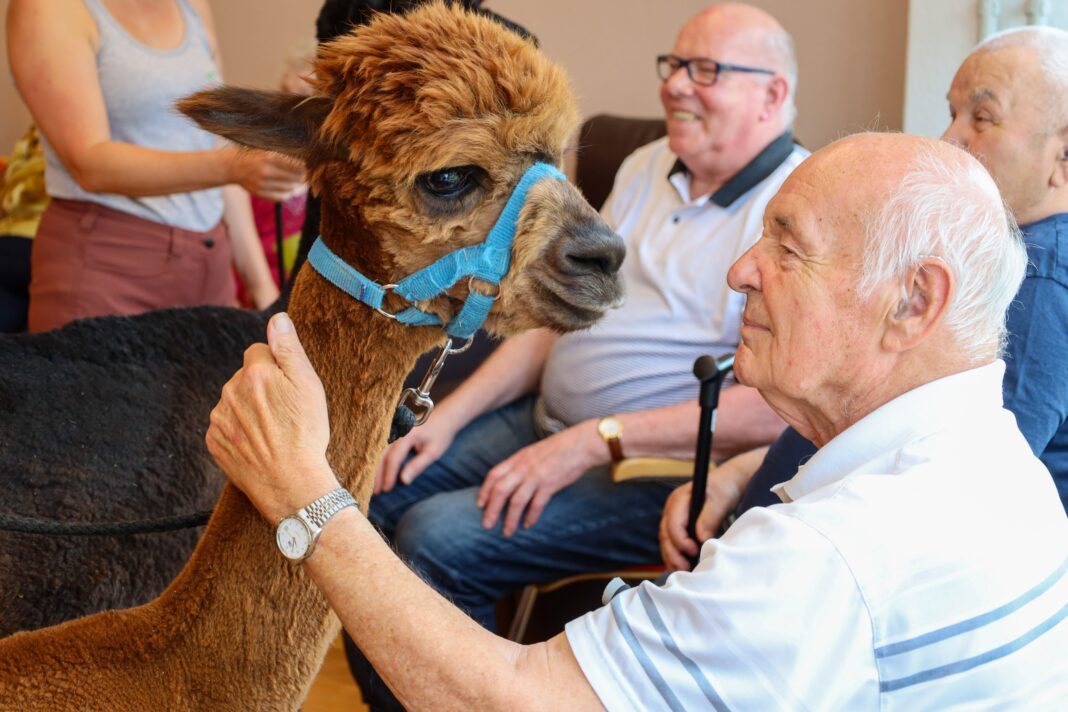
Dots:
(452, 415)
(610, 431)
(302, 486)
(597, 450)
(340, 531)
(263, 295)
(298, 533)
(726, 487)
(227, 160)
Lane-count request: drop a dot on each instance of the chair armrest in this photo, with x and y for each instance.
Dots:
(652, 468)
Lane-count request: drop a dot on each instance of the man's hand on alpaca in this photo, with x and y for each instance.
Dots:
(270, 429)
(528, 479)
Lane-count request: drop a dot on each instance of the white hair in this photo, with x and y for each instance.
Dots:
(951, 210)
(1051, 46)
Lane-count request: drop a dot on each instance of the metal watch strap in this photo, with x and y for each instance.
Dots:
(319, 511)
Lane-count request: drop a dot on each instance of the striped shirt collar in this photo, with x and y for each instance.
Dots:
(754, 172)
(920, 412)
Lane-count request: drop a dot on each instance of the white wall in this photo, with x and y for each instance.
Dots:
(941, 33)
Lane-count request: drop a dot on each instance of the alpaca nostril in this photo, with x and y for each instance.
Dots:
(593, 249)
(591, 263)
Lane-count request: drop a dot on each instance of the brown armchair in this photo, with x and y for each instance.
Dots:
(603, 142)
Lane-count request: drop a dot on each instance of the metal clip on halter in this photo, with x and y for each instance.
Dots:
(420, 397)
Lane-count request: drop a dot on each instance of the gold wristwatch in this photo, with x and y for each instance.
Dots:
(611, 431)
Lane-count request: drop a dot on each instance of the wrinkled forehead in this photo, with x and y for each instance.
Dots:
(804, 208)
(827, 200)
(442, 87)
(1007, 76)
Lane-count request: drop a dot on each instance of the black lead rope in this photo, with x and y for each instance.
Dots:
(280, 243)
(28, 525)
(403, 421)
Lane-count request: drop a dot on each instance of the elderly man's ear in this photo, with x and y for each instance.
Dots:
(1060, 173)
(928, 288)
(776, 95)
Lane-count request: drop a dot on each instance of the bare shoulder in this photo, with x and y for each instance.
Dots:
(67, 16)
(203, 9)
(49, 26)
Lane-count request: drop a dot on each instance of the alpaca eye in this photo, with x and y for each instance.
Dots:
(448, 182)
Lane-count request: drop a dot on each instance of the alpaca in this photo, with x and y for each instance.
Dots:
(104, 420)
(134, 393)
(423, 126)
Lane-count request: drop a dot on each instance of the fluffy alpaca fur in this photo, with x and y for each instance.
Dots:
(241, 628)
(104, 420)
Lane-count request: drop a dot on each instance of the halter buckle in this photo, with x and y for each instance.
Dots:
(471, 288)
(420, 396)
(386, 289)
(419, 400)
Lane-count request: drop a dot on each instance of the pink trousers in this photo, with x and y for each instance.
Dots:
(90, 260)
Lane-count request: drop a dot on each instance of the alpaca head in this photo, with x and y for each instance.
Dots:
(421, 127)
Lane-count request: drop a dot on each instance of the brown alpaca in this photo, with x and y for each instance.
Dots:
(401, 103)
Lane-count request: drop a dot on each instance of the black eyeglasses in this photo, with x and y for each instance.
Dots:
(701, 70)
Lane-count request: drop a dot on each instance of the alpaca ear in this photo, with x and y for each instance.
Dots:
(270, 120)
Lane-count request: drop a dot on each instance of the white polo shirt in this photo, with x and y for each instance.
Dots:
(678, 305)
(918, 562)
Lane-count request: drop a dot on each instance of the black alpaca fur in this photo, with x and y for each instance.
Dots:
(104, 420)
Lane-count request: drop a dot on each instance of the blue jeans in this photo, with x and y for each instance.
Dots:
(592, 525)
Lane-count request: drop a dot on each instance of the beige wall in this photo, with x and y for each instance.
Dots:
(851, 52)
(13, 115)
(851, 55)
(254, 36)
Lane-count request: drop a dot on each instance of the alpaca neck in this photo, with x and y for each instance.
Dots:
(278, 623)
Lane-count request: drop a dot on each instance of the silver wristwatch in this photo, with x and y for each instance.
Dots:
(296, 534)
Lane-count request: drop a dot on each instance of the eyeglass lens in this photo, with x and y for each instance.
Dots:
(700, 71)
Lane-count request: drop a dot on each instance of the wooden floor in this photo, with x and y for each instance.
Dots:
(334, 689)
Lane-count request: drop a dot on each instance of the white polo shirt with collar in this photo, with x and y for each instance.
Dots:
(919, 561)
(678, 305)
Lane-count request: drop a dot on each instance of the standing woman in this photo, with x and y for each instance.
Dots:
(147, 211)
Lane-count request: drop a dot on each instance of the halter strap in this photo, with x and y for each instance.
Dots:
(489, 261)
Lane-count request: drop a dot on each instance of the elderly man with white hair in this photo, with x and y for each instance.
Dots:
(1009, 105)
(1009, 108)
(874, 317)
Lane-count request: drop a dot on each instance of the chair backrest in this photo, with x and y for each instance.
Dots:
(604, 141)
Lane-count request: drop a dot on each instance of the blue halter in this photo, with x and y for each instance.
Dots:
(488, 260)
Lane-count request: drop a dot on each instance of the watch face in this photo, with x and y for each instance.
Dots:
(293, 538)
(609, 428)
